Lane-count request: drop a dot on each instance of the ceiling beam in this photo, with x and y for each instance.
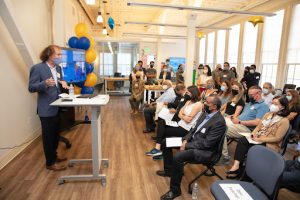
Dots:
(160, 5)
(153, 35)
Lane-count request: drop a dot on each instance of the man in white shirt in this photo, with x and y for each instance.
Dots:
(267, 93)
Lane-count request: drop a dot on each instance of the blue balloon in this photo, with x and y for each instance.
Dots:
(73, 42)
(87, 90)
(84, 43)
(80, 84)
(89, 67)
(111, 23)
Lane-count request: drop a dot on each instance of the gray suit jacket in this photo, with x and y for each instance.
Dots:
(206, 140)
(46, 95)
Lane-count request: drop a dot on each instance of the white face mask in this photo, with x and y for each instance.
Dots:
(252, 71)
(289, 98)
(265, 91)
(274, 108)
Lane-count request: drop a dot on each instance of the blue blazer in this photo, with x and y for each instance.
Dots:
(46, 95)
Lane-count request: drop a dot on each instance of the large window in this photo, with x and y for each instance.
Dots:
(249, 44)
(233, 45)
(271, 46)
(106, 64)
(221, 46)
(202, 51)
(210, 49)
(293, 52)
(124, 63)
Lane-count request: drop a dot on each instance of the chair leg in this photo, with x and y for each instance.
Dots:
(192, 181)
(213, 171)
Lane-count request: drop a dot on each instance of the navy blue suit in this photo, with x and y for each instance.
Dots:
(49, 115)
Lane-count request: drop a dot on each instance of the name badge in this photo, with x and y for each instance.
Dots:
(252, 108)
(257, 77)
(225, 76)
(58, 75)
(203, 130)
(233, 104)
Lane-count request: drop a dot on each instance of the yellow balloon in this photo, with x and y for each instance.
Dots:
(90, 56)
(81, 30)
(77, 90)
(91, 80)
(92, 41)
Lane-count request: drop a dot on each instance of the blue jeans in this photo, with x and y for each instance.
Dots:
(291, 176)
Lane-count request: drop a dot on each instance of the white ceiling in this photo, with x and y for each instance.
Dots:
(120, 12)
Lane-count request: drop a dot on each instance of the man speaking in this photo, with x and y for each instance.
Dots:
(46, 79)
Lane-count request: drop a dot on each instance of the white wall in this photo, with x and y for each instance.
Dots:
(177, 49)
(18, 119)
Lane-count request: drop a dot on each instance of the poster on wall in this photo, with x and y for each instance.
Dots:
(175, 62)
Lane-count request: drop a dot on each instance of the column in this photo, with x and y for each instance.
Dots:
(158, 56)
(190, 48)
(58, 23)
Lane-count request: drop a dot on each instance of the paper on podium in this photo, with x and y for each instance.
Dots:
(171, 123)
(174, 142)
(235, 192)
(64, 95)
(248, 137)
(165, 114)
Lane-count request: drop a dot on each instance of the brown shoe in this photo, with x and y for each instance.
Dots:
(56, 167)
(60, 159)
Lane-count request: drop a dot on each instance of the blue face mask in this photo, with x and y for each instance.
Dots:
(223, 88)
(289, 98)
(57, 61)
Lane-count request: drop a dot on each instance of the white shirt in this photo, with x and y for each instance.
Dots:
(268, 99)
(53, 72)
(168, 96)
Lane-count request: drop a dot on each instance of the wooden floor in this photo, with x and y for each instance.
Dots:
(130, 175)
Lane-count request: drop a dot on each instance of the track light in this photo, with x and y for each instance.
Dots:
(104, 31)
(168, 6)
(90, 2)
(99, 18)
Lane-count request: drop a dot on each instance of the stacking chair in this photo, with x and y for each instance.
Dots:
(210, 167)
(285, 140)
(264, 167)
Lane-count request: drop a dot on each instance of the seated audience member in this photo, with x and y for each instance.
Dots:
(188, 115)
(235, 105)
(137, 93)
(216, 75)
(233, 69)
(225, 92)
(247, 121)
(179, 74)
(132, 75)
(199, 145)
(268, 93)
(165, 74)
(294, 105)
(210, 89)
(291, 175)
(204, 77)
(149, 112)
(269, 132)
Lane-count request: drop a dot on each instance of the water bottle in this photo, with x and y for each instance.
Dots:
(195, 191)
(71, 91)
(86, 117)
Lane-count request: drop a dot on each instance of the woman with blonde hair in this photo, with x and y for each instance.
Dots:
(236, 103)
(137, 92)
(210, 89)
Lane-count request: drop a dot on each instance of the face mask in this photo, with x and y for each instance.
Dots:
(57, 61)
(289, 98)
(226, 68)
(209, 86)
(265, 91)
(252, 71)
(205, 71)
(234, 92)
(223, 88)
(165, 70)
(274, 108)
(151, 66)
(252, 100)
(138, 77)
(187, 97)
(206, 108)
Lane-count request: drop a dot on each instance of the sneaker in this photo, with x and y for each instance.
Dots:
(154, 152)
(225, 160)
(160, 157)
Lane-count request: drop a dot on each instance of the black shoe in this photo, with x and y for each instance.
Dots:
(163, 173)
(148, 130)
(169, 196)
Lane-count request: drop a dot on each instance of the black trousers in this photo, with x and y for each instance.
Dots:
(164, 131)
(50, 136)
(174, 165)
(149, 114)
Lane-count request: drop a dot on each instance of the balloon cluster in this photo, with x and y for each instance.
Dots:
(86, 42)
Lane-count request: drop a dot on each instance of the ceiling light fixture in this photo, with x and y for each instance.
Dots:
(176, 25)
(199, 9)
(104, 31)
(99, 18)
(90, 2)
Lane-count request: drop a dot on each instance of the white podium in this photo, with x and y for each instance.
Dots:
(95, 103)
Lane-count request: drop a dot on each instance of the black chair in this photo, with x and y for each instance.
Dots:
(264, 167)
(210, 167)
(285, 140)
(118, 84)
(99, 87)
(288, 87)
(295, 130)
